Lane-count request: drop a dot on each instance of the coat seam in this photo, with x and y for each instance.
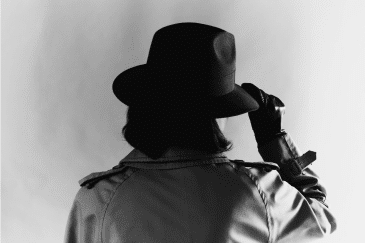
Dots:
(108, 203)
(263, 198)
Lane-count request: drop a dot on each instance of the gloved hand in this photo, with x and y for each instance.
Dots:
(266, 124)
(265, 121)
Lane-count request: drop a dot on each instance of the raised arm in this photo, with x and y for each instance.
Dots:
(276, 145)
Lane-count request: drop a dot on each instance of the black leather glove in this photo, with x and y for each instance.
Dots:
(265, 121)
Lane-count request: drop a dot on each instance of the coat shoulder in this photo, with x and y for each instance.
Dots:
(92, 179)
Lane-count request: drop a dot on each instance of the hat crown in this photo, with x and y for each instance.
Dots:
(195, 50)
(190, 67)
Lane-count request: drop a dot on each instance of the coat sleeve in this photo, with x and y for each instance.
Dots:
(294, 171)
(83, 224)
(73, 225)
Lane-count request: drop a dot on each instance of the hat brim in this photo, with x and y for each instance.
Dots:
(234, 103)
(133, 85)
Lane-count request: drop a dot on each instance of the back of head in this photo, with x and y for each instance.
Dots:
(152, 131)
(187, 82)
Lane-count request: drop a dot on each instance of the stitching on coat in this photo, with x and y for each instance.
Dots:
(110, 199)
(263, 197)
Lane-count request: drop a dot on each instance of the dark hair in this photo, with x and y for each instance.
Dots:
(153, 131)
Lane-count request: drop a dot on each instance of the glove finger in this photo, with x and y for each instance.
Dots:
(255, 92)
(276, 108)
(278, 102)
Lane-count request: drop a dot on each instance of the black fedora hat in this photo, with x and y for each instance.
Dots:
(190, 66)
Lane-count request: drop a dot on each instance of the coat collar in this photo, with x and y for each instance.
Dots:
(172, 159)
(173, 154)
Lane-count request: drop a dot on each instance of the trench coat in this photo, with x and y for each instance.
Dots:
(192, 196)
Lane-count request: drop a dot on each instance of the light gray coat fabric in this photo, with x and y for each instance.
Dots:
(191, 196)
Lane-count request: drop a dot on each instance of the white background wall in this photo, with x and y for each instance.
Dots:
(60, 120)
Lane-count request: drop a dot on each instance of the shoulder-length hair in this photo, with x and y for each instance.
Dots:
(152, 131)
